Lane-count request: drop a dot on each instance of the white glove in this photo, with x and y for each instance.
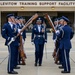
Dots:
(57, 32)
(12, 39)
(45, 43)
(19, 30)
(23, 41)
(32, 43)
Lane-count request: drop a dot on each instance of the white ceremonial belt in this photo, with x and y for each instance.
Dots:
(39, 35)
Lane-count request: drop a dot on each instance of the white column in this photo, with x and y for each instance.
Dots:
(74, 21)
(0, 22)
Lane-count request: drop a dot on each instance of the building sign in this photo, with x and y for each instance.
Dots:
(37, 3)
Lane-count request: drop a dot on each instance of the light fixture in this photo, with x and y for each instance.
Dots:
(22, 8)
(53, 8)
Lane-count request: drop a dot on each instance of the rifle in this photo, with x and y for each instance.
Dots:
(21, 51)
(26, 25)
(29, 22)
(50, 21)
(55, 54)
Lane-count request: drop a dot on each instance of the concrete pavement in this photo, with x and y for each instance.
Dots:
(48, 67)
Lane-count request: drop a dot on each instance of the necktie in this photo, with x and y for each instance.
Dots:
(39, 28)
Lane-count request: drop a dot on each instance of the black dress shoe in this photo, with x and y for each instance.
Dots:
(65, 71)
(17, 67)
(61, 67)
(13, 72)
(35, 64)
(40, 65)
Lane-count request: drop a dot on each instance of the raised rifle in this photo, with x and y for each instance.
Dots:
(55, 53)
(50, 21)
(26, 25)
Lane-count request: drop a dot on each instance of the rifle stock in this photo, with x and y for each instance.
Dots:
(50, 21)
(21, 51)
(29, 22)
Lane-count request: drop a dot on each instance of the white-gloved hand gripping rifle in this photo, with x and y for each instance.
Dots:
(26, 25)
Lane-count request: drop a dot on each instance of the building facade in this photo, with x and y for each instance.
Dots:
(28, 11)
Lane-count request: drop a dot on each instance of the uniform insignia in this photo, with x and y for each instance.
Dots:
(3, 29)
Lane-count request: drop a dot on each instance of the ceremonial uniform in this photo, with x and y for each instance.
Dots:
(20, 26)
(66, 35)
(8, 33)
(56, 53)
(58, 40)
(16, 51)
(39, 38)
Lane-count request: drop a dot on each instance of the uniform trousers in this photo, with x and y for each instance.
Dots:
(39, 53)
(13, 55)
(65, 59)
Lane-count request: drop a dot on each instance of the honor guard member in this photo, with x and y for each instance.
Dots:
(15, 27)
(22, 22)
(21, 25)
(55, 40)
(8, 34)
(18, 39)
(66, 35)
(60, 26)
(39, 38)
(56, 25)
